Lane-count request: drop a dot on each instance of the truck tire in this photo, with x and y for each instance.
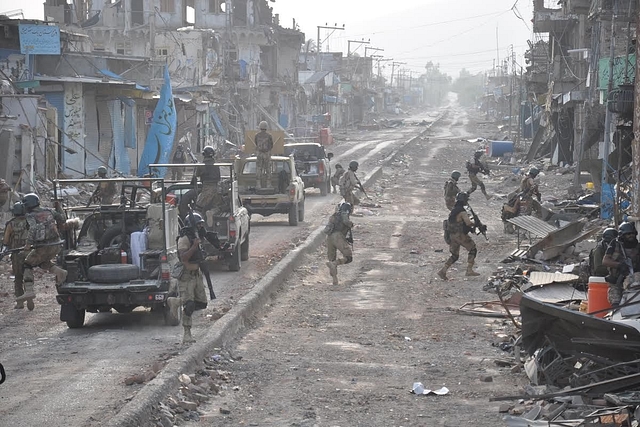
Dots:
(293, 214)
(78, 319)
(324, 188)
(173, 311)
(301, 211)
(113, 273)
(244, 249)
(235, 262)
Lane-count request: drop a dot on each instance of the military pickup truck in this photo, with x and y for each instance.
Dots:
(284, 193)
(313, 164)
(228, 219)
(122, 256)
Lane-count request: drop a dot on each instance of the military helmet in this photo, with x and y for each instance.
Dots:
(197, 218)
(534, 171)
(478, 153)
(17, 209)
(462, 197)
(627, 228)
(345, 207)
(456, 175)
(31, 200)
(263, 125)
(353, 165)
(208, 151)
(102, 171)
(609, 234)
(339, 166)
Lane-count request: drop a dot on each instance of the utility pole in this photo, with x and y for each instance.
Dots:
(319, 42)
(604, 202)
(393, 68)
(635, 144)
(356, 41)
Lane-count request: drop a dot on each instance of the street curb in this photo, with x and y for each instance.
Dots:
(141, 409)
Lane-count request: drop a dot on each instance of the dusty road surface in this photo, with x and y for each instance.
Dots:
(76, 377)
(348, 355)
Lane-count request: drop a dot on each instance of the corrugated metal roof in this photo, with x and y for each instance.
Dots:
(532, 225)
(96, 80)
(538, 278)
(316, 77)
(556, 292)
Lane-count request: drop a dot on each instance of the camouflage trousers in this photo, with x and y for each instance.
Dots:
(338, 242)
(475, 183)
(458, 240)
(191, 289)
(614, 295)
(17, 265)
(263, 164)
(450, 202)
(39, 257)
(335, 179)
(176, 174)
(208, 197)
(349, 197)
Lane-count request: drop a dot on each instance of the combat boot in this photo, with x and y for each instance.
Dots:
(61, 275)
(333, 271)
(470, 271)
(28, 292)
(19, 305)
(187, 337)
(443, 272)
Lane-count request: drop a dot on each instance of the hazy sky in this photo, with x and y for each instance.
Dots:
(454, 33)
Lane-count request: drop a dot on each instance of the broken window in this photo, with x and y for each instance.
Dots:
(162, 51)
(217, 6)
(168, 6)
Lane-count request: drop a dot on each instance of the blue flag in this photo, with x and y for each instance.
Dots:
(159, 144)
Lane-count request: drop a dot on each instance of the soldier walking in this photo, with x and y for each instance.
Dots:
(43, 244)
(179, 157)
(459, 227)
(451, 189)
(348, 183)
(192, 292)
(474, 168)
(528, 189)
(335, 179)
(209, 175)
(339, 238)
(264, 144)
(15, 236)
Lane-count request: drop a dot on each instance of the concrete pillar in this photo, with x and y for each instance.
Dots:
(7, 152)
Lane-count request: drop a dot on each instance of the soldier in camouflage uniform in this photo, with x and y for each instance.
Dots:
(474, 168)
(43, 244)
(209, 175)
(459, 227)
(339, 238)
(15, 236)
(622, 258)
(335, 179)
(264, 145)
(451, 189)
(5, 191)
(192, 292)
(105, 191)
(348, 184)
(528, 189)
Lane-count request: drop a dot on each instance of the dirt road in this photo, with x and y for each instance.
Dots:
(76, 377)
(348, 355)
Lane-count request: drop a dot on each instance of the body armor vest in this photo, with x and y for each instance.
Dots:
(43, 224)
(20, 232)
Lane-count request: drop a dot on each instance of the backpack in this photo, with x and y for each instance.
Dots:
(447, 235)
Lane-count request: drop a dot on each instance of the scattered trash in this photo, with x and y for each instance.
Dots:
(418, 388)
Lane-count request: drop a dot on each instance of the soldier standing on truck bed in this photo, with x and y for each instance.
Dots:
(264, 145)
(43, 244)
(451, 189)
(105, 191)
(209, 175)
(192, 290)
(15, 236)
(474, 168)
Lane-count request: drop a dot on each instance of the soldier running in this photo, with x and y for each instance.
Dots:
(192, 290)
(348, 183)
(339, 238)
(622, 258)
(43, 244)
(459, 227)
(209, 175)
(264, 144)
(451, 189)
(474, 168)
(15, 236)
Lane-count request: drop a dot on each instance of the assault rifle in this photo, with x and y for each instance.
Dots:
(194, 159)
(478, 225)
(7, 251)
(361, 188)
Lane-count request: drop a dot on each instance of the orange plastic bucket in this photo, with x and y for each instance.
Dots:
(597, 296)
